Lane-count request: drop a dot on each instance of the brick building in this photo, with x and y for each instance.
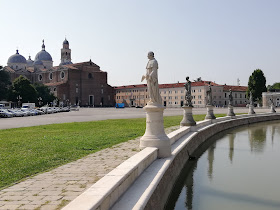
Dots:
(80, 83)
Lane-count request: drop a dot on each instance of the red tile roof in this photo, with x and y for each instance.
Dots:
(170, 85)
(235, 88)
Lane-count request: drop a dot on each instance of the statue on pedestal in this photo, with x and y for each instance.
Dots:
(251, 99)
(209, 95)
(230, 98)
(155, 135)
(152, 80)
(188, 95)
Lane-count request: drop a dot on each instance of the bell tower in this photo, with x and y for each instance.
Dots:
(65, 53)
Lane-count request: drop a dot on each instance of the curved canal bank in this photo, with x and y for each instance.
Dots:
(235, 169)
(143, 181)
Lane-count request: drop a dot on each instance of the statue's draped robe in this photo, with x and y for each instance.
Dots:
(152, 81)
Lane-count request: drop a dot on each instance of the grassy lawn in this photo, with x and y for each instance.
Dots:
(28, 151)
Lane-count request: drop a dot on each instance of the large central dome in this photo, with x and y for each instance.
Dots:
(43, 55)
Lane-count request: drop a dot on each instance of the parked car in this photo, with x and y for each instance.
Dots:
(5, 113)
(15, 113)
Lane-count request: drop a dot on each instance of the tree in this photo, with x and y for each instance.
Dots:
(256, 85)
(22, 87)
(275, 86)
(44, 93)
(4, 83)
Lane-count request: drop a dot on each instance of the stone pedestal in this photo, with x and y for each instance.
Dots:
(251, 109)
(155, 135)
(187, 117)
(210, 112)
(272, 110)
(230, 111)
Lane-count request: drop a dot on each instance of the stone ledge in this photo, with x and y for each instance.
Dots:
(105, 192)
(152, 188)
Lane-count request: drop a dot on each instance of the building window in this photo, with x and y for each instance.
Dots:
(77, 90)
(54, 89)
(40, 77)
(62, 75)
(225, 95)
(90, 76)
(51, 76)
(101, 91)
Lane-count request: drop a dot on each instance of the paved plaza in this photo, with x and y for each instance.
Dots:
(55, 188)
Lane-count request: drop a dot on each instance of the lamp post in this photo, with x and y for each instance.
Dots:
(19, 98)
(40, 101)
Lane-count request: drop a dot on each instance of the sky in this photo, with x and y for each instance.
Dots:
(217, 40)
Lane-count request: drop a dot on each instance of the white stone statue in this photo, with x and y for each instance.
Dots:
(152, 79)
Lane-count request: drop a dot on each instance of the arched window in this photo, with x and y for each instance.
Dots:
(62, 75)
(66, 53)
(51, 76)
(90, 76)
(40, 77)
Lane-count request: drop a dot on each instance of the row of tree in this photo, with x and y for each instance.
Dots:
(22, 89)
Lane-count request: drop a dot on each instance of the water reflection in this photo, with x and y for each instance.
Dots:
(232, 174)
(189, 184)
(257, 138)
(211, 151)
(231, 137)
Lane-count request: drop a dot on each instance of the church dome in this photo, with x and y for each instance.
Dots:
(29, 62)
(65, 41)
(16, 58)
(38, 62)
(43, 55)
(65, 63)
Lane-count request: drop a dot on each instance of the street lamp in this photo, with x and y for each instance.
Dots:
(40, 101)
(19, 98)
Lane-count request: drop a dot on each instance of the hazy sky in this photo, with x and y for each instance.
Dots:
(218, 40)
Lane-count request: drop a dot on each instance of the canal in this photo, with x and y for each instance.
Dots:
(235, 169)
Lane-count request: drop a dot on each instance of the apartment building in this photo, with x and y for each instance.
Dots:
(173, 94)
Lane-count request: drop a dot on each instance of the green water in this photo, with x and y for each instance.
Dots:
(239, 170)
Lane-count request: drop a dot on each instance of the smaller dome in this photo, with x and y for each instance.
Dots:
(65, 41)
(65, 63)
(38, 62)
(29, 62)
(16, 58)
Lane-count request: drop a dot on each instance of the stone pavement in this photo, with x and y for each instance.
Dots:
(56, 188)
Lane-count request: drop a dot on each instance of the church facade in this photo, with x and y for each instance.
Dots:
(80, 83)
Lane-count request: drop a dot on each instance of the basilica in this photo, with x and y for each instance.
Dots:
(79, 83)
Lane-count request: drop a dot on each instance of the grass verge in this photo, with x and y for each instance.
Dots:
(28, 151)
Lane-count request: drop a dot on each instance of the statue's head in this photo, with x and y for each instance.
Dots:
(151, 55)
(187, 78)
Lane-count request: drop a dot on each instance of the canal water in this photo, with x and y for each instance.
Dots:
(238, 169)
